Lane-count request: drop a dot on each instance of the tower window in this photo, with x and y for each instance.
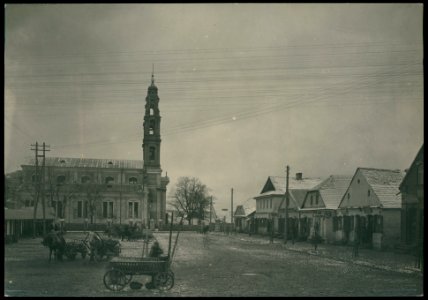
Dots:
(152, 127)
(152, 111)
(152, 153)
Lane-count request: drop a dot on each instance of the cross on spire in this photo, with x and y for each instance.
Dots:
(153, 74)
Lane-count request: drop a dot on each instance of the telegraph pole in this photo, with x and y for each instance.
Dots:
(43, 186)
(286, 207)
(211, 208)
(39, 184)
(231, 210)
(36, 186)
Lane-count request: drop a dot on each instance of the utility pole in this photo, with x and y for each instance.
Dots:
(36, 186)
(43, 187)
(211, 208)
(231, 210)
(39, 185)
(286, 206)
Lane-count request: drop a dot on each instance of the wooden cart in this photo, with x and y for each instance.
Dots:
(122, 269)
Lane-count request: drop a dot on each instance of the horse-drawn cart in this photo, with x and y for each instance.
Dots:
(122, 269)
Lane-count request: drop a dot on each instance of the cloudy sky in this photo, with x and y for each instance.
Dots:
(245, 89)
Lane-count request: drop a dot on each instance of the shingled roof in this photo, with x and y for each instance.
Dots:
(89, 163)
(332, 189)
(385, 184)
(246, 208)
(275, 185)
(278, 184)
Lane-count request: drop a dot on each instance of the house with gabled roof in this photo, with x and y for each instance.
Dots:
(270, 203)
(243, 215)
(320, 205)
(370, 209)
(412, 201)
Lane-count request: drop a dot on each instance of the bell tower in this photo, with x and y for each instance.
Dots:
(152, 137)
(154, 184)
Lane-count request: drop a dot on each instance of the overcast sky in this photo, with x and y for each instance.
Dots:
(245, 89)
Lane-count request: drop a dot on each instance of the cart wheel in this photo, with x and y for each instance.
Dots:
(115, 280)
(70, 253)
(98, 256)
(164, 281)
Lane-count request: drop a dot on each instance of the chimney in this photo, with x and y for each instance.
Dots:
(299, 176)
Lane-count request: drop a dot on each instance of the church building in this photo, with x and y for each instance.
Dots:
(80, 192)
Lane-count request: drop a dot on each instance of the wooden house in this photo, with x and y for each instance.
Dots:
(242, 215)
(271, 204)
(370, 209)
(320, 206)
(412, 200)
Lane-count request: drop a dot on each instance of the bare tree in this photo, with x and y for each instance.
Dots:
(191, 198)
(61, 192)
(93, 195)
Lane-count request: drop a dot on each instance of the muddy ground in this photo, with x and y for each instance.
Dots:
(222, 266)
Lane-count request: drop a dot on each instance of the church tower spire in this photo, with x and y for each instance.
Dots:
(152, 120)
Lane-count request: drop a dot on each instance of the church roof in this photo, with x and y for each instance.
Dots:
(72, 162)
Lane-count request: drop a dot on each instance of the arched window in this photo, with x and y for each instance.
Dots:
(133, 180)
(152, 127)
(152, 111)
(60, 179)
(109, 180)
(85, 179)
(152, 153)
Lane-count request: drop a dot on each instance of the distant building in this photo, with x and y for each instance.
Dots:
(19, 222)
(105, 191)
(320, 205)
(242, 216)
(270, 204)
(370, 209)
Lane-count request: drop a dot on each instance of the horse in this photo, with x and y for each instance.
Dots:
(56, 243)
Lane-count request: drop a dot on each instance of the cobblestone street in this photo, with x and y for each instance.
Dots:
(235, 265)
